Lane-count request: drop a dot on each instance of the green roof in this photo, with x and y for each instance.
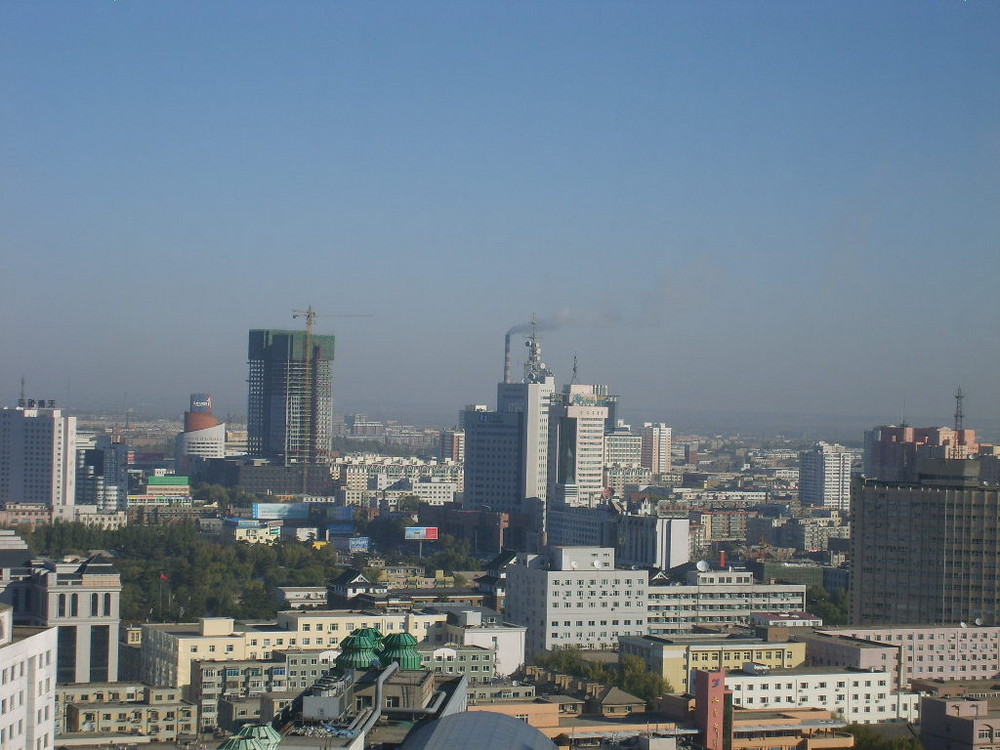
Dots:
(169, 481)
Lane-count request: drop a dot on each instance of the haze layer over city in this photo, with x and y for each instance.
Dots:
(746, 216)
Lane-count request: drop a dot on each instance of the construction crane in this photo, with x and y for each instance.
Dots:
(308, 416)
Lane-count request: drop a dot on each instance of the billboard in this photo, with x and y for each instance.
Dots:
(339, 528)
(274, 511)
(359, 544)
(421, 533)
(340, 513)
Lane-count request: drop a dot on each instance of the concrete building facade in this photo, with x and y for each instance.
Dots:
(925, 552)
(575, 597)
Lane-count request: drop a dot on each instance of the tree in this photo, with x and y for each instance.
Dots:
(831, 607)
(408, 503)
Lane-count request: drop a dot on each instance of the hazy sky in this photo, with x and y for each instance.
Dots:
(787, 207)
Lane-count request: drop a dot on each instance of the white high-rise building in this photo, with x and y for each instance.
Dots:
(506, 451)
(28, 687)
(656, 446)
(37, 455)
(576, 446)
(825, 476)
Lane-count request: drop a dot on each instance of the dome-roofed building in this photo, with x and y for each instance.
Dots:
(360, 649)
(401, 648)
(264, 733)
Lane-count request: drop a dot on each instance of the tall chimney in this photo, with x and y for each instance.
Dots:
(506, 358)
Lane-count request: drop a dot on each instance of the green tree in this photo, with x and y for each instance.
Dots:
(831, 607)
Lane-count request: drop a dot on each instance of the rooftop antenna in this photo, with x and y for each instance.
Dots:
(23, 400)
(959, 396)
(572, 380)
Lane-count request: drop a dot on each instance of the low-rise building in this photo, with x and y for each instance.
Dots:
(478, 664)
(961, 652)
(677, 658)
(116, 709)
(861, 697)
(716, 598)
(959, 723)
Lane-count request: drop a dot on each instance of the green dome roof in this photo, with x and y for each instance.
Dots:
(265, 733)
(360, 649)
(400, 648)
(245, 743)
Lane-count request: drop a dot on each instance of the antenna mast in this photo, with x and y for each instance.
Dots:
(959, 416)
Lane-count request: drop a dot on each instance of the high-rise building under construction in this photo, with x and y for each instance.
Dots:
(290, 403)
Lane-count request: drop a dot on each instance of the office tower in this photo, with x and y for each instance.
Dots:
(102, 474)
(925, 552)
(506, 451)
(204, 434)
(290, 404)
(37, 455)
(825, 476)
(576, 445)
(656, 447)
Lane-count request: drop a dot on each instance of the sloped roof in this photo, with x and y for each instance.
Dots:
(482, 730)
(615, 696)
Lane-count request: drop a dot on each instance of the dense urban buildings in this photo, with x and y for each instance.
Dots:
(926, 552)
(290, 402)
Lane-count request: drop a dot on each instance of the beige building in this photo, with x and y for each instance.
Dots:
(675, 658)
(169, 649)
(156, 713)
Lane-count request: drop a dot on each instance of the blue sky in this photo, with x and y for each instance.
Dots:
(781, 207)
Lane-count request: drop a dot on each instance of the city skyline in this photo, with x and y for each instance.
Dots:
(781, 210)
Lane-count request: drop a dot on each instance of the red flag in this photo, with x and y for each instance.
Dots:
(163, 577)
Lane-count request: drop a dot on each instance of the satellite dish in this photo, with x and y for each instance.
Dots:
(978, 621)
(573, 565)
(964, 624)
(597, 563)
(702, 565)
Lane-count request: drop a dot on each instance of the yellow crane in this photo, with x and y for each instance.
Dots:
(308, 414)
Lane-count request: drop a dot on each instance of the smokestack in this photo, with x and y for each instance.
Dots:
(506, 358)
